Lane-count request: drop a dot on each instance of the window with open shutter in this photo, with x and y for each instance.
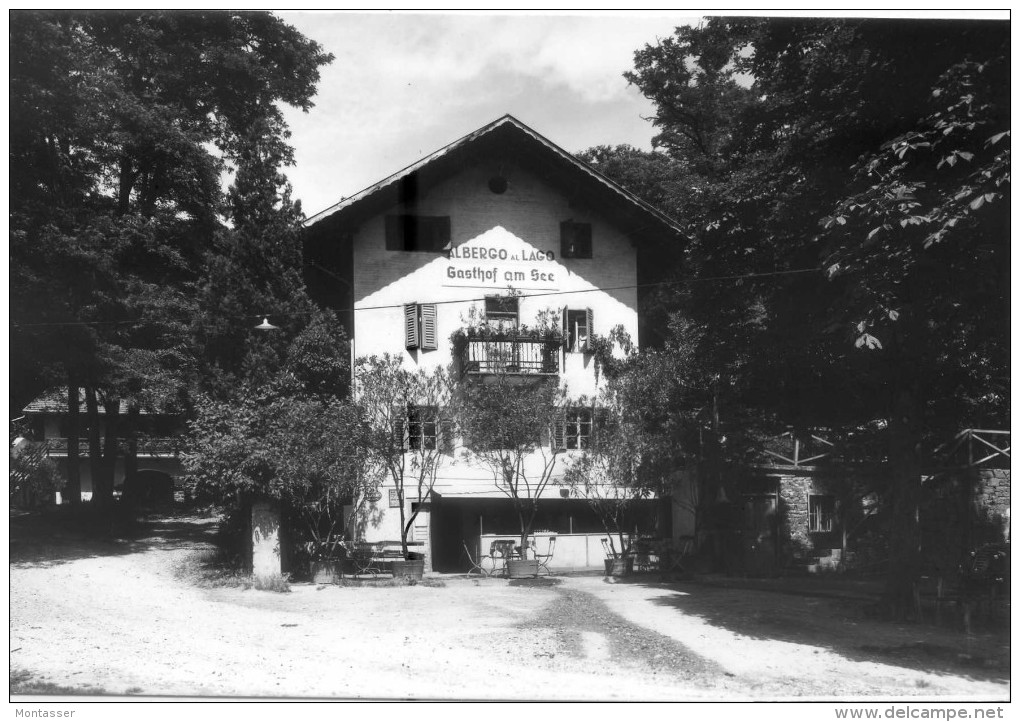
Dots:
(411, 335)
(577, 329)
(589, 327)
(429, 333)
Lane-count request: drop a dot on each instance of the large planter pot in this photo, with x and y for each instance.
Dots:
(326, 572)
(522, 568)
(621, 566)
(413, 568)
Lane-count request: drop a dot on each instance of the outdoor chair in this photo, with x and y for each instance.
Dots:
(543, 559)
(502, 551)
(479, 564)
(608, 549)
(645, 558)
(362, 559)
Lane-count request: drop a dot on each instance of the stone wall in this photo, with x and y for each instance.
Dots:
(800, 545)
(991, 495)
(963, 510)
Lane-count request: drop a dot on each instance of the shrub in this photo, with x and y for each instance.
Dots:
(272, 583)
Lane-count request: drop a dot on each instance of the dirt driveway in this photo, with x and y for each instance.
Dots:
(113, 617)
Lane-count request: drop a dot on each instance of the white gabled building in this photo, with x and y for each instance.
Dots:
(507, 223)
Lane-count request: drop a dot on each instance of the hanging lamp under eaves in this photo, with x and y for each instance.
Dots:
(266, 326)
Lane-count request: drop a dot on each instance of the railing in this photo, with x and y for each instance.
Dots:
(28, 457)
(969, 448)
(147, 446)
(795, 450)
(512, 355)
(821, 446)
(973, 447)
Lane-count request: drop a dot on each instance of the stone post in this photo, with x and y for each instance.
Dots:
(265, 539)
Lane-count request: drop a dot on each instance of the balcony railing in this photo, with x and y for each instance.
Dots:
(512, 355)
(154, 446)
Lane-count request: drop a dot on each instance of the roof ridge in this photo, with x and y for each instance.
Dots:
(411, 167)
(475, 135)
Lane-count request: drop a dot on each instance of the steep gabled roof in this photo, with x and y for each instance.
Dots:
(506, 137)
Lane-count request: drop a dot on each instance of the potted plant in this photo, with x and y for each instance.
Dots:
(408, 437)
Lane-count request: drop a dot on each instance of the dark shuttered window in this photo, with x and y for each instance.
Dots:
(429, 234)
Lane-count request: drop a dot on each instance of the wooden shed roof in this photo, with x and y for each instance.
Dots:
(54, 401)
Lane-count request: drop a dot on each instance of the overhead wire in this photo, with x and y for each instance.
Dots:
(541, 294)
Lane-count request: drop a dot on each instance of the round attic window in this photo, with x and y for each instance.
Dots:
(497, 184)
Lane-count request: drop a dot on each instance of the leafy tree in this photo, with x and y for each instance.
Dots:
(296, 439)
(825, 96)
(252, 267)
(613, 473)
(33, 480)
(508, 425)
(408, 429)
(121, 125)
(654, 176)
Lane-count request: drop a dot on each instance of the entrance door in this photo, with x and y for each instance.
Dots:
(759, 536)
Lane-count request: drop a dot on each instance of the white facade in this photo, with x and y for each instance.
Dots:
(501, 235)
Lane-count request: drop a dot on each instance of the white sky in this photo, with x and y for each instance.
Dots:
(404, 85)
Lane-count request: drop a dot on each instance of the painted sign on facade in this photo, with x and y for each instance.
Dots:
(500, 266)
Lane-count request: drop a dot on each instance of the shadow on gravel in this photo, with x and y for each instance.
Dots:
(537, 582)
(838, 623)
(577, 618)
(55, 537)
(25, 683)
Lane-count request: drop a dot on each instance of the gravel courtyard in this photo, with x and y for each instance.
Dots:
(117, 617)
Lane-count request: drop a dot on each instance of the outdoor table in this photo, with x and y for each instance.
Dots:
(503, 550)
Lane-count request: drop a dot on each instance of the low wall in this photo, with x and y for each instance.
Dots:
(572, 553)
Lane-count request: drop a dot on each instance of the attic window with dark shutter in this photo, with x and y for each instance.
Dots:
(575, 240)
(429, 234)
(420, 330)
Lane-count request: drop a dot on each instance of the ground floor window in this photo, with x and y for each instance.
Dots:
(821, 509)
(574, 432)
(423, 427)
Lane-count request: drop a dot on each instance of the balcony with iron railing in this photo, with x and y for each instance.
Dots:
(511, 354)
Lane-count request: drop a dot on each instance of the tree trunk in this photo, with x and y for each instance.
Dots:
(112, 407)
(99, 495)
(130, 493)
(73, 431)
(713, 484)
(127, 180)
(904, 522)
(404, 524)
